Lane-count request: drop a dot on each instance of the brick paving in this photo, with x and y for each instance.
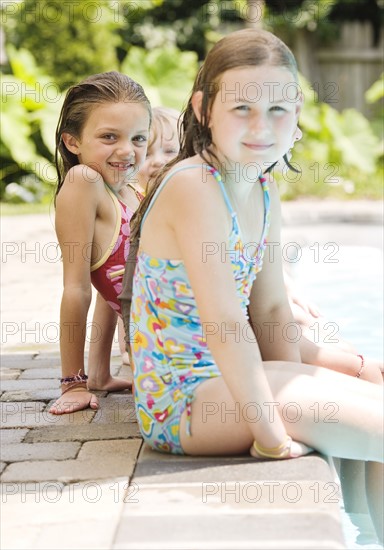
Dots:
(85, 480)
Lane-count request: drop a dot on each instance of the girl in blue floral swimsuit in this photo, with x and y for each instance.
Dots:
(172, 326)
(214, 372)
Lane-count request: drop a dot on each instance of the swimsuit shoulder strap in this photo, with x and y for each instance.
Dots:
(209, 168)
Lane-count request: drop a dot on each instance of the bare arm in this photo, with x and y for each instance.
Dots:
(269, 310)
(279, 335)
(76, 212)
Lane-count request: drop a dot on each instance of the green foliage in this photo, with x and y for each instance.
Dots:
(9, 209)
(312, 15)
(375, 96)
(180, 23)
(159, 43)
(322, 17)
(69, 40)
(167, 74)
(30, 108)
(376, 91)
(32, 102)
(338, 155)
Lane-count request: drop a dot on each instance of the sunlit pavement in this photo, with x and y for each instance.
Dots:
(85, 480)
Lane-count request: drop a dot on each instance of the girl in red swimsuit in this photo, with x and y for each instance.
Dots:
(101, 142)
(163, 146)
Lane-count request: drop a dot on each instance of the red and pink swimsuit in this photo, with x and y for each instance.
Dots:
(107, 273)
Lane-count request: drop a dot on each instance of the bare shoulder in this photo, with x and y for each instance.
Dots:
(192, 183)
(78, 203)
(81, 183)
(192, 198)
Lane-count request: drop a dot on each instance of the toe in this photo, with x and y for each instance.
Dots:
(94, 404)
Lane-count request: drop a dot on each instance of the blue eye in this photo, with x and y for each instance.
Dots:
(244, 108)
(277, 109)
(140, 139)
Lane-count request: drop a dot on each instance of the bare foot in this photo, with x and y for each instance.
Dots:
(74, 400)
(111, 384)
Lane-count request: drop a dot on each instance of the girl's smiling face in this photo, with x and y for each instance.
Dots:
(254, 115)
(113, 141)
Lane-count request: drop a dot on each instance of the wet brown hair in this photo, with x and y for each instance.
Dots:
(244, 48)
(79, 101)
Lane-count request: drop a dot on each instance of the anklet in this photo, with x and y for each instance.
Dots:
(272, 449)
(264, 452)
(362, 366)
(74, 378)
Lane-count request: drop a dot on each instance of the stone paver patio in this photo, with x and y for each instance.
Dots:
(86, 481)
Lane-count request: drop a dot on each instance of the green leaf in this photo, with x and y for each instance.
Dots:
(376, 91)
(363, 148)
(166, 75)
(23, 64)
(353, 138)
(16, 134)
(47, 120)
(28, 84)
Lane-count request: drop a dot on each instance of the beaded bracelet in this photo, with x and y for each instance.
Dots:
(270, 452)
(74, 378)
(362, 366)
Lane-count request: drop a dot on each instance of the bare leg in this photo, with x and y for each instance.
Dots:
(335, 414)
(361, 482)
(352, 472)
(103, 330)
(122, 344)
(352, 480)
(374, 486)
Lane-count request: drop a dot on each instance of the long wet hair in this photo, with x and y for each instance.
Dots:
(244, 48)
(79, 101)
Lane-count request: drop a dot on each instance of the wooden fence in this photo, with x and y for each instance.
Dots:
(343, 71)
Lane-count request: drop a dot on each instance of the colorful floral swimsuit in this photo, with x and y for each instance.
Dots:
(107, 273)
(171, 357)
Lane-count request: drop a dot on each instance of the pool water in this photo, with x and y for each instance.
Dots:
(349, 293)
(359, 531)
